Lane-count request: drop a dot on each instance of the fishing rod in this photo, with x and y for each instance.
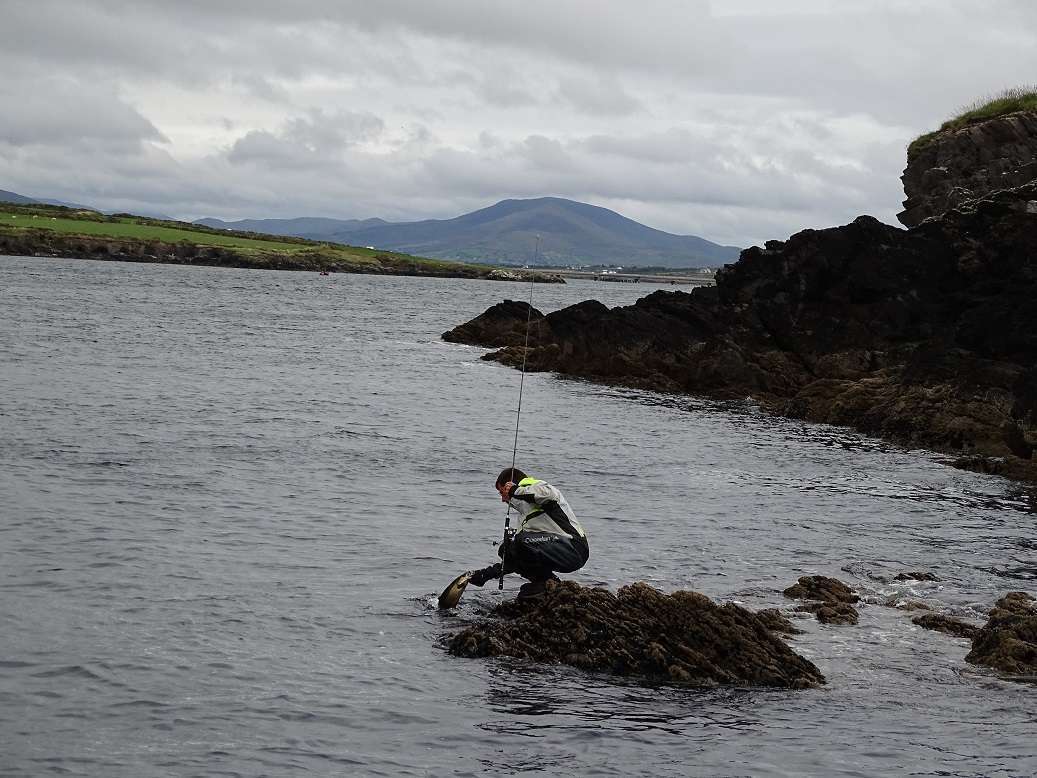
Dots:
(508, 532)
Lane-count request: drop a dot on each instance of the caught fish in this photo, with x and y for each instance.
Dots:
(452, 594)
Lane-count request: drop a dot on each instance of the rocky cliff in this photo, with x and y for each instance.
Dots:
(948, 168)
(927, 336)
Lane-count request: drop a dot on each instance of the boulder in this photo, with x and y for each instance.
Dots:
(831, 612)
(820, 587)
(946, 624)
(1008, 641)
(915, 576)
(640, 632)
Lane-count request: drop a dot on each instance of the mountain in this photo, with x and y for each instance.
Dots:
(305, 227)
(17, 199)
(572, 233)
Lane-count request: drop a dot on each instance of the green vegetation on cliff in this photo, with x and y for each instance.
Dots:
(56, 231)
(1001, 104)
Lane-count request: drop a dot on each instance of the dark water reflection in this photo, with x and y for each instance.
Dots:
(228, 498)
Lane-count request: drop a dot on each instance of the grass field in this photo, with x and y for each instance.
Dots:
(128, 228)
(260, 249)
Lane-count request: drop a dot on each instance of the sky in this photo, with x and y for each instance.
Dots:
(739, 121)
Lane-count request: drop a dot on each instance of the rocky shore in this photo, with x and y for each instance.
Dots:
(926, 337)
(48, 243)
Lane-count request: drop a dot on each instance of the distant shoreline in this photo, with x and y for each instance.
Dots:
(53, 231)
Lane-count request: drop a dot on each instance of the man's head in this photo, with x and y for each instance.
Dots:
(509, 475)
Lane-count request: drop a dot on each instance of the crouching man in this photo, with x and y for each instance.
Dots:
(549, 539)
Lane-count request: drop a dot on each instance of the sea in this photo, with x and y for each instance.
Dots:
(229, 499)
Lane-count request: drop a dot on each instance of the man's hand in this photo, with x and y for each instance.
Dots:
(479, 577)
(505, 490)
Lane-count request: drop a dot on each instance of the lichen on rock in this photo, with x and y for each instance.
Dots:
(683, 637)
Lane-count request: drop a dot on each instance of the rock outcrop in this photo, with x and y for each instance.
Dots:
(682, 637)
(946, 624)
(833, 598)
(950, 168)
(1008, 641)
(927, 337)
(821, 587)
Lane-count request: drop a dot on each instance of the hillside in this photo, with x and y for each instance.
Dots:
(20, 199)
(572, 232)
(313, 227)
(42, 230)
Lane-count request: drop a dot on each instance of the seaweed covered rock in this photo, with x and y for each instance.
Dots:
(820, 587)
(1008, 641)
(833, 597)
(948, 625)
(831, 612)
(682, 637)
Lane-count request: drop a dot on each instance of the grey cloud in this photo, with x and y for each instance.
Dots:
(599, 97)
(39, 110)
(309, 140)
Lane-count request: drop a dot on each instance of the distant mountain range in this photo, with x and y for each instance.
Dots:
(505, 233)
(17, 199)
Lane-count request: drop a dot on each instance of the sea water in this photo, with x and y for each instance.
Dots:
(228, 499)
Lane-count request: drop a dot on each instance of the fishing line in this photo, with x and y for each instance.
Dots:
(518, 413)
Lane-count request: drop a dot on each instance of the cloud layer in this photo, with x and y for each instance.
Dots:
(731, 120)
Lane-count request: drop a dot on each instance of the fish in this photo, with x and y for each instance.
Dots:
(452, 594)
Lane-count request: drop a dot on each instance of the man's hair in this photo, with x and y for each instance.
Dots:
(512, 474)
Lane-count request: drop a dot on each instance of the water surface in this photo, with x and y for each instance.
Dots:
(229, 497)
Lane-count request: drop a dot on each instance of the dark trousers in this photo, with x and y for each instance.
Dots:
(539, 555)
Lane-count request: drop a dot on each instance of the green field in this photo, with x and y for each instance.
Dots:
(130, 228)
(256, 249)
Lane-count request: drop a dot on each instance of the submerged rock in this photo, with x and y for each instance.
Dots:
(831, 612)
(833, 595)
(682, 637)
(1008, 641)
(820, 587)
(946, 624)
(915, 576)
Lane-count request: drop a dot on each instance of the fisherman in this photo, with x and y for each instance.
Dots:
(549, 539)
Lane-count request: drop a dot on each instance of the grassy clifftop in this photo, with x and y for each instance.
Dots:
(59, 231)
(1001, 104)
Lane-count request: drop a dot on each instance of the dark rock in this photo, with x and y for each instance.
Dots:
(819, 587)
(831, 612)
(1008, 641)
(907, 605)
(956, 166)
(682, 637)
(946, 624)
(776, 621)
(916, 576)
(504, 324)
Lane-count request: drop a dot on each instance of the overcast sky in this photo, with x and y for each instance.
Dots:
(737, 120)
